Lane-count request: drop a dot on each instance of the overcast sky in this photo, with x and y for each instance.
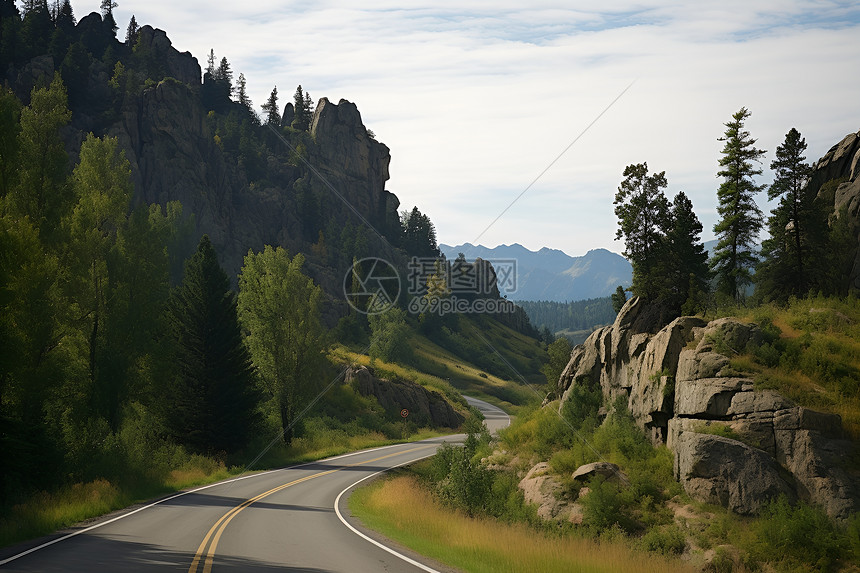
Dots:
(475, 99)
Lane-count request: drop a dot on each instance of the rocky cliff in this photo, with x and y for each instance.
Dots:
(422, 406)
(842, 163)
(681, 389)
(174, 133)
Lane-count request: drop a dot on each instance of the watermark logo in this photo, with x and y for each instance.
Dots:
(435, 286)
(371, 286)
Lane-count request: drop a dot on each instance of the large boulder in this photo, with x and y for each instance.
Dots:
(818, 464)
(545, 491)
(726, 472)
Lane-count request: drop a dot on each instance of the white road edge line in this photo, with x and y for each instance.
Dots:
(180, 494)
(365, 537)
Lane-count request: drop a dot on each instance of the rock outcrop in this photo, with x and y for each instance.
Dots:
(842, 163)
(681, 389)
(424, 407)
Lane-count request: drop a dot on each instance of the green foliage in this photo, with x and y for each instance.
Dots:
(667, 540)
(582, 404)
(740, 217)
(303, 110)
(270, 108)
(576, 315)
(685, 266)
(212, 400)
(419, 234)
(461, 480)
(389, 336)
(559, 356)
(603, 507)
(42, 192)
(279, 307)
(792, 536)
(643, 219)
(619, 298)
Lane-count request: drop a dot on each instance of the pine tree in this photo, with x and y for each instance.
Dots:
(225, 76)
(643, 219)
(131, 32)
(796, 225)
(242, 92)
(66, 17)
(280, 308)
(686, 263)
(107, 7)
(741, 219)
(273, 115)
(210, 64)
(302, 118)
(619, 297)
(211, 404)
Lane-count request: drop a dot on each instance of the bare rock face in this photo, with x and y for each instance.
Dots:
(843, 162)
(679, 385)
(718, 470)
(425, 407)
(353, 162)
(181, 66)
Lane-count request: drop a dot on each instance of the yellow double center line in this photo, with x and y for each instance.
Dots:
(217, 530)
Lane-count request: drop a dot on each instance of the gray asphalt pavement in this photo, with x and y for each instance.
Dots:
(282, 520)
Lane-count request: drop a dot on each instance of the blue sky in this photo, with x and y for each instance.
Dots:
(476, 98)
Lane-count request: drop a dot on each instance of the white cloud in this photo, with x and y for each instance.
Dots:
(476, 98)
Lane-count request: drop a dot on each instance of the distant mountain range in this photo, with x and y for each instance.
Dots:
(550, 274)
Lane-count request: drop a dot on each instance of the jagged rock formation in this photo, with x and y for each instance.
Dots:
(680, 388)
(842, 162)
(425, 407)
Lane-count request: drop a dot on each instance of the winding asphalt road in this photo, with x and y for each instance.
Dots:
(292, 519)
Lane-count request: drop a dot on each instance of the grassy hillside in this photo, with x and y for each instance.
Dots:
(811, 354)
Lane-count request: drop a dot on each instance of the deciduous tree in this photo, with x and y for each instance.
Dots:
(279, 308)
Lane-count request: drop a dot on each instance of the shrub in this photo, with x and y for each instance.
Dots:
(797, 535)
(602, 507)
(668, 540)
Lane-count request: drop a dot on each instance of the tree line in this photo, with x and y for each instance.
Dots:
(803, 253)
(574, 315)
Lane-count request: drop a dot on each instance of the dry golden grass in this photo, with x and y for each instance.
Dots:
(400, 509)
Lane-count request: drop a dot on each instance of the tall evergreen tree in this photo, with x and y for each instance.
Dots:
(210, 63)
(419, 234)
(279, 306)
(302, 117)
(741, 218)
(131, 31)
(643, 219)
(619, 298)
(107, 7)
(796, 225)
(211, 404)
(273, 115)
(225, 75)
(66, 17)
(242, 92)
(686, 262)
